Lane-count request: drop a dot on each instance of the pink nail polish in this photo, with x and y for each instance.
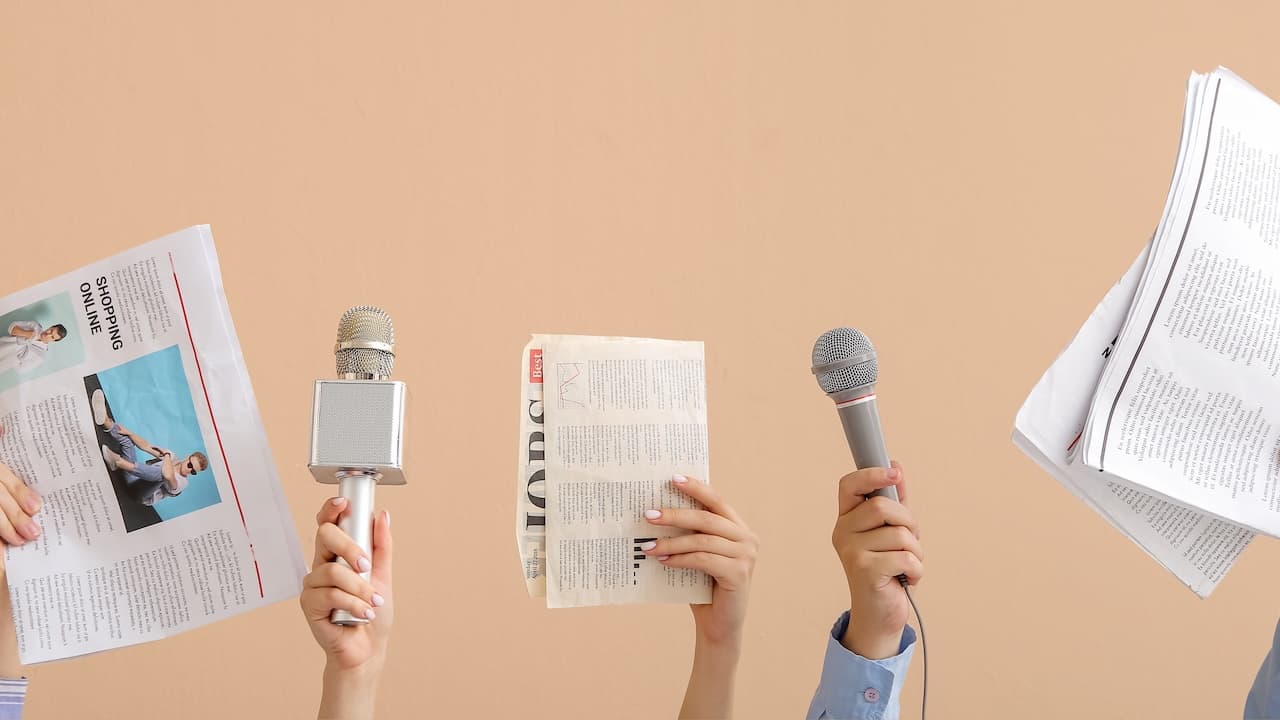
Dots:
(370, 614)
(364, 565)
(680, 479)
(378, 600)
(336, 501)
(653, 514)
(663, 558)
(648, 545)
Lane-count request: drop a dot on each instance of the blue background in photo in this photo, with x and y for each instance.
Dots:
(150, 396)
(63, 354)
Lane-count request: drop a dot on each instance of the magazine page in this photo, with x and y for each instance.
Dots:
(127, 406)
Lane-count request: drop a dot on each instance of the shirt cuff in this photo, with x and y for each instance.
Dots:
(855, 688)
(13, 694)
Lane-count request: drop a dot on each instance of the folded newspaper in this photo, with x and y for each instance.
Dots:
(1164, 412)
(597, 449)
(126, 404)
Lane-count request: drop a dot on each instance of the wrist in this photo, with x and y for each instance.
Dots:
(349, 692)
(872, 640)
(722, 648)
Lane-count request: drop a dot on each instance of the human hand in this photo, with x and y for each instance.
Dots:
(877, 540)
(331, 585)
(720, 545)
(18, 503)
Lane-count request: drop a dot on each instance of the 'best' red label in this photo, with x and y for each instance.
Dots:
(535, 365)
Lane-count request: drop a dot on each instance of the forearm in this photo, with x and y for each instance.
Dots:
(141, 443)
(349, 694)
(170, 474)
(711, 682)
(873, 643)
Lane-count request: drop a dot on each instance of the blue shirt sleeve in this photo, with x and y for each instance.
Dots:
(1263, 702)
(13, 693)
(855, 688)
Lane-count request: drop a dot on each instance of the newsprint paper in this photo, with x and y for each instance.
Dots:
(605, 423)
(126, 404)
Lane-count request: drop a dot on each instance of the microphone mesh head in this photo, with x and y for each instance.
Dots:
(843, 344)
(365, 324)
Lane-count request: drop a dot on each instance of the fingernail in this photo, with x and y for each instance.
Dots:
(33, 529)
(31, 505)
(892, 473)
(336, 501)
(648, 545)
(663, 558)
(679, 479)
(377, 600)
(386, 517)
(364, 565)
(370, 614)
(653, 514)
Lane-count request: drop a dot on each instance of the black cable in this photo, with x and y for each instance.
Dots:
(924, 651)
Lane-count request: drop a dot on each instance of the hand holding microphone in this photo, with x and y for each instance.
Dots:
(876, 536)
(357, 428)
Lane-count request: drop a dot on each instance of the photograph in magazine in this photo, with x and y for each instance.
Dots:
(150, 439)
(37, 340)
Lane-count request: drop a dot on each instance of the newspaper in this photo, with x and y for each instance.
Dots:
(1188, 407)
(127, 405)
(598, 449)
(1196, 547)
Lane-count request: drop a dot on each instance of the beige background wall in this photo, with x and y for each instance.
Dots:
(960, 180)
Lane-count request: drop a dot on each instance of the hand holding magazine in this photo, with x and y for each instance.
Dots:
(127, 406)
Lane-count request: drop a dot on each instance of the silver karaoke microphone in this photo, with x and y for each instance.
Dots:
(357, 425)
(845, 364)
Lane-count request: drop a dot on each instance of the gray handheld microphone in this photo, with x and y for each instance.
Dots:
(357, 425)
(845, 364)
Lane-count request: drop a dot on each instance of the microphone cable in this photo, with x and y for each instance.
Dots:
(924, 647)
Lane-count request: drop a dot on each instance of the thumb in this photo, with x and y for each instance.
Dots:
(382, 548)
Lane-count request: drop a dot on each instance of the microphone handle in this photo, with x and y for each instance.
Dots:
(861, 421)
(357, 487)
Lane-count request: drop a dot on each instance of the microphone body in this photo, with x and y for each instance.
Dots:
(357, 426)
(861, 420)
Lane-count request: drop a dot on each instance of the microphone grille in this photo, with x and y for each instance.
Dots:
(845, 344)
(371, 327)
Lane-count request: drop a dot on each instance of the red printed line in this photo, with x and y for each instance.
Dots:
(856, 400)
(1076, 440)
(216, 433)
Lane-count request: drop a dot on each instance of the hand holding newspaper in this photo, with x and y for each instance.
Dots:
(1188, 406)
(1172, 431)
(127, 406)
(605, 422)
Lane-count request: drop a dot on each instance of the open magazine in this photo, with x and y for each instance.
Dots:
(605, 423)
(126, 404)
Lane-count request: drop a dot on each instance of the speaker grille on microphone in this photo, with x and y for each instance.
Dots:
(844, 344)
(365, 324)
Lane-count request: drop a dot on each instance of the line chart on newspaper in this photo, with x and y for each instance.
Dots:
(126, 403)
